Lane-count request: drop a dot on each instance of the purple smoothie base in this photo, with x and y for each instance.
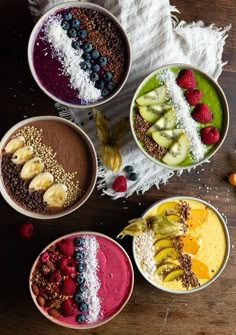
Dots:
(49, 71)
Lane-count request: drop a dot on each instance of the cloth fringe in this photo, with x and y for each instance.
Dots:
(34, 7)
(64, 112)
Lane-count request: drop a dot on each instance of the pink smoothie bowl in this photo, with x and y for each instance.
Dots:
(81, 280)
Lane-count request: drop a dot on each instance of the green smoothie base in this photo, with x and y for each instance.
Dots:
(209, 96)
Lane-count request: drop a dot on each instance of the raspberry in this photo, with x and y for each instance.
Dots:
(55, 276)
(25, 230)
(67, 266)
(202, 113)
(210, 135)
(186, 79)
(66, 247)
(120, 184)
(68, 286)
(67, 308)
(193, 96)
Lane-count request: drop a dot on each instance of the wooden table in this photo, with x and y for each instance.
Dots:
(149, 311)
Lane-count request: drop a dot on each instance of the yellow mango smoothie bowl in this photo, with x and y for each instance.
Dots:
(180, 245)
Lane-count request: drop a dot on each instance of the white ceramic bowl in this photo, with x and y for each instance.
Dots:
(109, 279)
(155, 283)
(90, 160)
(104, 12)
(225, 115)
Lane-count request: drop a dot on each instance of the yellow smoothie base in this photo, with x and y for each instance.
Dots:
(212, 246)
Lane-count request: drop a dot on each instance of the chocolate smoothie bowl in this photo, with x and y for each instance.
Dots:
(81, 280)
(79, 54)
(48, 167)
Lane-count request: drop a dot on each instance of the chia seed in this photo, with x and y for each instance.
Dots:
(106, 38)
(149, 145)
(18, 188)
(188, 279)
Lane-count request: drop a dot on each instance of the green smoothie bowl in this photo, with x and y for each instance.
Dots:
(179, 116)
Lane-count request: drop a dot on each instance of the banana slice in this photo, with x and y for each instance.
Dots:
(22, 155)
(31, 168)
(55, 196)
(14, 144)
(42, 181)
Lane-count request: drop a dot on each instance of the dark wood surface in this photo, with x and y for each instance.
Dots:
(149, 311)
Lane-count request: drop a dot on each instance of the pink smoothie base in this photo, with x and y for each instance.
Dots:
(116, 278)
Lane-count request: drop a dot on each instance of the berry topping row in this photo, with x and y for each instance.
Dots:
(201, 113)
(62, 281)
(93, 62)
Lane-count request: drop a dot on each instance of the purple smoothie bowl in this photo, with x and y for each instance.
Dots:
(79, 54)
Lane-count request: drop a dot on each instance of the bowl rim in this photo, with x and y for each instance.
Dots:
(225, 113)
(102, 322)
(227, 240)
(106, 13)
(90, 149)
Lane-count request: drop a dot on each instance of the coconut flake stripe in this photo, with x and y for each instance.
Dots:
(92, 283)
(70, 60)
(145, 252)
(182, 112)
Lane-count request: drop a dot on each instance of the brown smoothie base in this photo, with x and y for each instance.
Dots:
(72, 152)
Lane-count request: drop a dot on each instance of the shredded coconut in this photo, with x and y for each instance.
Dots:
(70, 59)
(182, 112)
(145, 252)
(92, 286)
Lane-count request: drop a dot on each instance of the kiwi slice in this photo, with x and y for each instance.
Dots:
(154, 97)
(167, 121)
(177, 152)
(154, 112)
(166, 137)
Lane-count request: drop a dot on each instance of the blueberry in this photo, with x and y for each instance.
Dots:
(133, 176)
(81, 267)
(80, 318)
(72, 33)
(78, 297)
(75, 23)
(102, 61)
(87, 47)
(99, 84)
(79, 279)
(105, 92)
(129, 168)
(94, 76)
(107, 76)
(67, 16)
(85, 65)
(110, 86)
(96, 68)
(83, 307)
(79, 255)
(79, 241)
(82, 33)
(86, 56)
(65, 25)
(80, 288)
(95, 54)
(75, 45)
